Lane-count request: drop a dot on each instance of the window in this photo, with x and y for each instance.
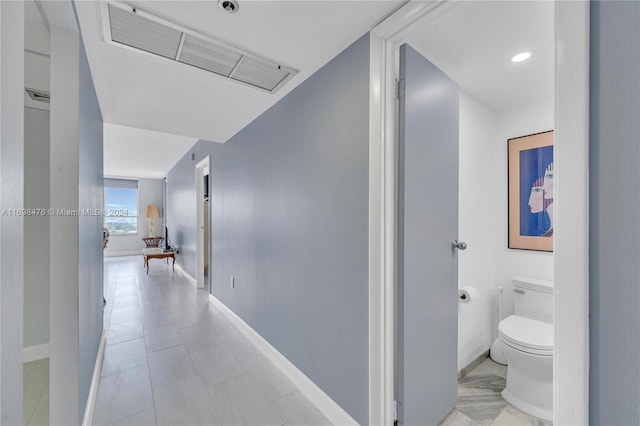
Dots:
(121, 206)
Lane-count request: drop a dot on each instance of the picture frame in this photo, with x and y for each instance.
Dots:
(530, 183)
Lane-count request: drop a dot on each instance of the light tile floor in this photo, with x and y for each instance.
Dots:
(35, 376)
(174, 359)
(480, 402)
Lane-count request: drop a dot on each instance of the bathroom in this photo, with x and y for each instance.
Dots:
(499, 100)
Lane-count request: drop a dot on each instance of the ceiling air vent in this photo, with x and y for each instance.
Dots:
(38, 95)
(199, 53)
(133, 28)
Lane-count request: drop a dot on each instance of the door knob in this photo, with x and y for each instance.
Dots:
(458, 245)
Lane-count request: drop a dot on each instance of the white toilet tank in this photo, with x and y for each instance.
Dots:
(533, 298)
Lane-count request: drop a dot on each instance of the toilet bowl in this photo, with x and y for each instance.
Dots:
(528, 347)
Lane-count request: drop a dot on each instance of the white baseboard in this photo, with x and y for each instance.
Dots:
(320, 399)
(123, 253)
(36, 352)
(187, 275)
(95, 382)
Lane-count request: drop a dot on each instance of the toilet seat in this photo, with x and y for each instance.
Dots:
(527, 335)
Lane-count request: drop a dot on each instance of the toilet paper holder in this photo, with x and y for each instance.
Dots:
(467, 293)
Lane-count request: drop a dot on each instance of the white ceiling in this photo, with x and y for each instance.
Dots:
(473, 43)
(130, 152)
(143, 91)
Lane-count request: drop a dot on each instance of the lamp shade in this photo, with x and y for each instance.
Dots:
(152, 211)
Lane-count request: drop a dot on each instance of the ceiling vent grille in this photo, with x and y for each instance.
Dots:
(130, 27)
(39, 95)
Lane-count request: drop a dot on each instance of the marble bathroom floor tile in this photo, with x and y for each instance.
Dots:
(480, 399)
(456, 418)
(483, 409)
(490, 367)
(511, 416)
(481, 383)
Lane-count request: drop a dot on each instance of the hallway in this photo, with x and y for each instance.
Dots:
(174, 359)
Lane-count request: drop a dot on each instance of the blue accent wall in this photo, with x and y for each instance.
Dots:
(290, 223)
(614, 219)
(181, 200)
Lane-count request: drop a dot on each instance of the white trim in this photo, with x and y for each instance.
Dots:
(377, 384)
(187, 275)
(571, 241)
(322, 401)
(35, 352)
(386, 37)
(122, 253)
(95, 383)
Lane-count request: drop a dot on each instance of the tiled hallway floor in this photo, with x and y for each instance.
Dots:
(173, 359)
(35, 406)
(480, 402)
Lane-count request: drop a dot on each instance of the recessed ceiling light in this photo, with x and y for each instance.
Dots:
(230, 6)
(521, 57)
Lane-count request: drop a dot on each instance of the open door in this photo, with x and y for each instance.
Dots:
(427, 225)
(202, 222)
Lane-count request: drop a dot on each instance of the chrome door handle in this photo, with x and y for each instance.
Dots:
(458, 245)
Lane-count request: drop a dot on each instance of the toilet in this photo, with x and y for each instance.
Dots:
(527, 340)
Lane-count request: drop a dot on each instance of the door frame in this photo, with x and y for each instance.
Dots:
(571, 149)
(201, 170)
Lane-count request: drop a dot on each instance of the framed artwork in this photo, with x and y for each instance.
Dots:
(531, 192)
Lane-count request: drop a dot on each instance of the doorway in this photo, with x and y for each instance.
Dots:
(203, 221)
(570, 65)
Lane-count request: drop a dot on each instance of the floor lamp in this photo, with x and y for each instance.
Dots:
(152, 212)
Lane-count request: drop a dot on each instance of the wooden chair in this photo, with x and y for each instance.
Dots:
(152, 241)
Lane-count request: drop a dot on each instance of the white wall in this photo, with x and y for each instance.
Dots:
(521, 121)
(488, 263)
(64, 264)
(76, 266)
(36, 230)
(149, 192)
(478, 198)
(36, 182)
(11, 197)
